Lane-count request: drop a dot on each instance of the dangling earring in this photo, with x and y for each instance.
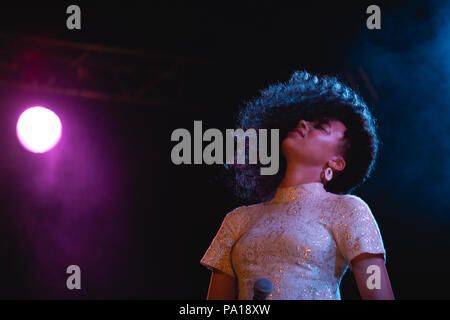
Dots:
(328, 174)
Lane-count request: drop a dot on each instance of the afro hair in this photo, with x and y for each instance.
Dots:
(307, 96)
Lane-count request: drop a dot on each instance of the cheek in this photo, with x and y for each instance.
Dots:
(314, 149)
(325, 146)
(320, 147)
(321, 139)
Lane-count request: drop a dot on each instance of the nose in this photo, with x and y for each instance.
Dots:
(303, 127)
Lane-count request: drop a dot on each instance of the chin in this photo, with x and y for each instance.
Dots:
(287, 144)
(291, 148)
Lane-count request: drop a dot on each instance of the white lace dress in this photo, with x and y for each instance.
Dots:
(303, 241)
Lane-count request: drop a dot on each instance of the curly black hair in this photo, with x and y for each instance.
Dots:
(309, 97)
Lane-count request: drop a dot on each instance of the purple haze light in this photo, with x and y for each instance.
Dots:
(38, 129)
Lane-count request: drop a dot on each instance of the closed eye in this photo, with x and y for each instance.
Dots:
(323, 126)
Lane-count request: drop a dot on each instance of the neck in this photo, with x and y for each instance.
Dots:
(297, 174)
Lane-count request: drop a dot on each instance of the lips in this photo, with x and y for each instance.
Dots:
(296, 132)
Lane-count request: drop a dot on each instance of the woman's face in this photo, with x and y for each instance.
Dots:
(313, 143)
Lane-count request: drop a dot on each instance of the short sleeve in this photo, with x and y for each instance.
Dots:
(218, 255)
(356, 230)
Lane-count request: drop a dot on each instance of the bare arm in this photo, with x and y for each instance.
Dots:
(222, 286)
(365, 274)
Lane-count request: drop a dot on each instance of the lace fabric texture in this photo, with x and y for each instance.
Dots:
(303, 241)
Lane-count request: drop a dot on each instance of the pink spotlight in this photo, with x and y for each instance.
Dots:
(38, 129)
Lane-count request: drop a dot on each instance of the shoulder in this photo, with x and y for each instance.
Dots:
(350, 206)
(247, 209)
(237, 213)
(350, 201)
(243, 214)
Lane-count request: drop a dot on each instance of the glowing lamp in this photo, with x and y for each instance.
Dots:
(38, 129)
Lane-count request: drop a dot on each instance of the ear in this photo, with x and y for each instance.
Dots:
(337, 163)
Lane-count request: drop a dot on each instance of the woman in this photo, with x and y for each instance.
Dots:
(306, 228)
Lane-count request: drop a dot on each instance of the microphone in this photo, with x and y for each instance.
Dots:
(262, 288)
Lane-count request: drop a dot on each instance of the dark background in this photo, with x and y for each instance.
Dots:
(108, 197)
